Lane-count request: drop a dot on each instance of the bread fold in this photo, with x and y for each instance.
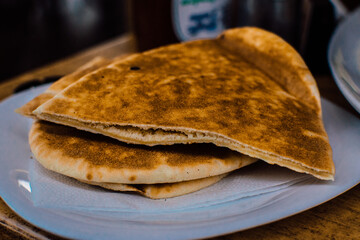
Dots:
(248, 90)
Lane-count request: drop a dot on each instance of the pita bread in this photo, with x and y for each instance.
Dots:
(93, 157)
(154, 191)
(162, 190)
(247, 90)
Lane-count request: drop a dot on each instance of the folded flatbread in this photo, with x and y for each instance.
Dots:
(247, 90)
(106, 162)
(54, 147)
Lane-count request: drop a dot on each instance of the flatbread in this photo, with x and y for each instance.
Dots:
(96, 158)
(60, 84)
(154, 191)
(162, 190)
(247, 90)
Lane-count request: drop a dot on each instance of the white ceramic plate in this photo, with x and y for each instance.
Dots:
(344, 58)
(344, 133)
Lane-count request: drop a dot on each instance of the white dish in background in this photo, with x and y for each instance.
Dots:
(344, 133)
(344, 58)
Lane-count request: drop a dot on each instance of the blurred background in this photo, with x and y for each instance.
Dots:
(38, 32)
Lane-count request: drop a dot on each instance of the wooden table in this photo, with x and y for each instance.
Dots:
(337, 219)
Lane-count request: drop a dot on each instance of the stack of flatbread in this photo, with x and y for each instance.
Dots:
(179, 118)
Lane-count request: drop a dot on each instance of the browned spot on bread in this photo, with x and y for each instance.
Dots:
(168, 189)
(132, 178)
(89, 176)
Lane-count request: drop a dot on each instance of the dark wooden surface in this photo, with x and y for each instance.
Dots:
(338, 218)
